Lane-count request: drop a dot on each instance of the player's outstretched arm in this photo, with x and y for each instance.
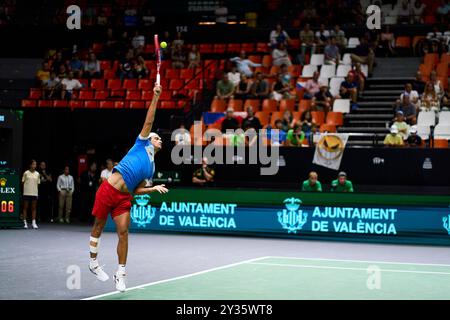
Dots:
(147, 128)
(142, 189)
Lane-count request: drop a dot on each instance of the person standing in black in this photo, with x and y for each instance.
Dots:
(45, 201)
(88, 187)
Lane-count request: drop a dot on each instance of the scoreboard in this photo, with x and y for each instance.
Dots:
(9, 198)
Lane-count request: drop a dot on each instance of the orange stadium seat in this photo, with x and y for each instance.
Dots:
(294, 44)
(233, 47)
(105, 64)
(262, 47)
(90, 104)
(403, 42)
(440, 143)
(255, 58)
(137, 105)
(101, 94)
(269, 105)
(74, 104)
(335, 118)
(274, 70)
(149, 48)
(186, 73)
(167, 105)
(165, 95)
(287, 104)
(276, 115)
(263, 117)
(147, 95)
(236, 104)
(106, 104)
(192, 84)
(431, 59)
(172, 73)
(35, 93)
(60, 104)
(318, 117)
(328, 128)
(109, 74)
(206, 48)
(176, 84)
(267, 60)
(114, 84)
(84, 82)
(445, 58)
(217, 105)
(442, 69)
(133, 95)
(304, 105)
(119, 104)
(86, 94)
(97, 48)
(145, 84)
(425, 69)
(248, 47)
(255, 103)
(97, 84)
(219, 48)
(297, 115)
(129, 84)
(27, 103)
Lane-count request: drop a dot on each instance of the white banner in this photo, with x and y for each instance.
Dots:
(330, 149)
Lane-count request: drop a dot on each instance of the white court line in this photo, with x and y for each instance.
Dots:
(364, 261)
(178, 278)
(341, 268)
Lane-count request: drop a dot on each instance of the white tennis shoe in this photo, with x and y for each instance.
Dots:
(119, 279)
(99, 273)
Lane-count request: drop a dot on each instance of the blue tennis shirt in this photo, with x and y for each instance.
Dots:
(138, 164)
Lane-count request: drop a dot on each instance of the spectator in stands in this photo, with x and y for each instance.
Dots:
(91, 67)
(58, 61)
(45, 192)
(140, 70)
(414, 140)
(107, 172)
(244, 64)
(445, 103)
(243, 89)
(194, 57)
(359, 78)
(280, 90)
(339, 35)
(393, 139)
(295, 137)
(430, 99)
(138, 41)
(387, 42)
(438, 88)
(225, 88)
(276, 136)
(306, 122)
(62, 72)
(322, 100)
(417, 12)
(122, 44)
(52, 87)
(230, 122)
(418, 84)
(182, 137)
(309, 14)
(434, 40)
(278, 36)
(364, 54)
(403, 11)
(68, 85)
(203, 176)
(331, 52)
(414, 97)
(312, 86)
(288, 121)
(286, 75)
(307, 41)
(349, 89)
(43, 74)
(178, 57)
(341, 184)
(315, 134)
(322, 35)
(408, 109)
(280, 56)
(102, 19)
(66, 188)
(251, 121)
(125, 69)
(30, 181)
(88, 187)
(402, 126)
(234, 76)
(76, 66)
(443, 11)
(312, 184)
(260, 87)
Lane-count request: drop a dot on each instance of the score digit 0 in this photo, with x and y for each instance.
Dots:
(7, 206)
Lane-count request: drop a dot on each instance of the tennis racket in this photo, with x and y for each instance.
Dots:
(158, 60)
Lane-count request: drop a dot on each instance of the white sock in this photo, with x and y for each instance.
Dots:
(121, 268)
(34, 221)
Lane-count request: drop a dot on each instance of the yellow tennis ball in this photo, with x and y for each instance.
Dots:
(163, 44)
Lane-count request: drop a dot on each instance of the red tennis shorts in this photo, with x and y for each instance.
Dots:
(110, 200)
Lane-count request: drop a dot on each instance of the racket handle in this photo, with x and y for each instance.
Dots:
(158, 79)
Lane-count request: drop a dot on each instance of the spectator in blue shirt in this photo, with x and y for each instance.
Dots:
(277, 135)
(349, 88)
(76, 66)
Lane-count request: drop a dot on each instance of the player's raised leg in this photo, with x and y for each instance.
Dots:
(122, 222)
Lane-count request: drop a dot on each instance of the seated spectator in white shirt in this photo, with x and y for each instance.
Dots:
(339, 35)
(68, 85)
(413, 95)
(182, 136)
(312, 86)
(234, 76)
(107, 172)
(244, 64)
(138, 40)
(403, 11)
(278, 36)
(280, 56)
(417, 10)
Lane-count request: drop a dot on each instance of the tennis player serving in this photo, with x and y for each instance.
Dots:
(114, 196)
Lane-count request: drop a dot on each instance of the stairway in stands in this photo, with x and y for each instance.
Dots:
(375, 112)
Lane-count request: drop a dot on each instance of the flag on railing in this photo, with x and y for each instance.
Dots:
(330, 149)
